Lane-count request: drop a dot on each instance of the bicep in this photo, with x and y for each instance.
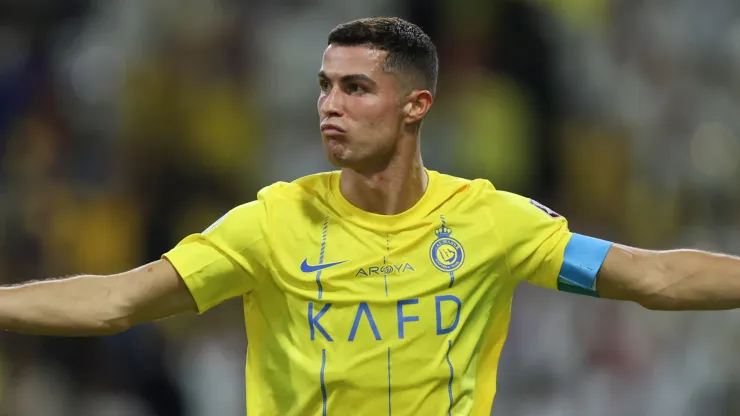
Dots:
(154, 291)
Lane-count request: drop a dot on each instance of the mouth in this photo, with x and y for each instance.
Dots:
(332, 129)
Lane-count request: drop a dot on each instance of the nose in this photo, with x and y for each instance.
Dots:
(330, 104)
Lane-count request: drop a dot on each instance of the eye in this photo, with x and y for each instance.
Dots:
(324, 84)
(355, 88)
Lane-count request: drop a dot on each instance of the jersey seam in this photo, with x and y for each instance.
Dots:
(503, 243)
(225, 252)
(268, 259)
(224, 248)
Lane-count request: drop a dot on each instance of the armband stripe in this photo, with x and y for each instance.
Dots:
(582, 260)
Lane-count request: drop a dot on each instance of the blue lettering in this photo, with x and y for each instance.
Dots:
(373, 270)
(401, 317)
(366, 309)
(438, 301)
(408, 267)
(313, 321)
(361, 272)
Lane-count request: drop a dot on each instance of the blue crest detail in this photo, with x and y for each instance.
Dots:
(446, 253)
(443, 232)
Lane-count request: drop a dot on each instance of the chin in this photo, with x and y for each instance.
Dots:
(340, 162)
(334, 162)
(337, 154)
(344, 161)
(335, 158)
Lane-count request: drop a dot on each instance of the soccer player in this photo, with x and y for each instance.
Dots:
(382, 287)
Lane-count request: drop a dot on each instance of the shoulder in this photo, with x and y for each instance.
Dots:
(310, 186)
(501, 203)
(281, 199)
(299, 202)
(480, 192)
(464, 187)
(514, 205)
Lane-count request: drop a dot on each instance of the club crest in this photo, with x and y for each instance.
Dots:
(446, 253)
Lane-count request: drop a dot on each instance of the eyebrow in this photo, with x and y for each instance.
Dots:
(350, 78)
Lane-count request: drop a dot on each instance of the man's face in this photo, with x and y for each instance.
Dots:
(359, 108)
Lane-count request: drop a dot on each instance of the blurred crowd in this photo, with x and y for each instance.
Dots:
(126, 125)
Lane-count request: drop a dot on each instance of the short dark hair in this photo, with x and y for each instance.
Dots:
(410, 50)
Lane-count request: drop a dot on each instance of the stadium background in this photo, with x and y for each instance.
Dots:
(127, 124)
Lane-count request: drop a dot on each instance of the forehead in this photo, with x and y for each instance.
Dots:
(346, 60)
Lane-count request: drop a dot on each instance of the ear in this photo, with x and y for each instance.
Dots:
(417, 105)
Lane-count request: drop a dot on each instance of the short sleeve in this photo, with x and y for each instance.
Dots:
(542, 250)
(227, 259)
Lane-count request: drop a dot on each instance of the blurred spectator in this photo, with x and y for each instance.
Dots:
(127, 125)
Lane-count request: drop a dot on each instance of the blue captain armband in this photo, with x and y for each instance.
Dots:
(581, 262)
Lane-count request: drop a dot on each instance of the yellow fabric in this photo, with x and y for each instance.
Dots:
(408, 313)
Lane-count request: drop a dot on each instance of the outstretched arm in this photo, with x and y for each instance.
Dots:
(95, 305)
(670, 280)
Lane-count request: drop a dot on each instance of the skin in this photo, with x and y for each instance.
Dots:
(378, 152)
(379, 115)
(382, 172)
(95, 305)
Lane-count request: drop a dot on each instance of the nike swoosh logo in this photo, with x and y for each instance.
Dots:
(306, 268)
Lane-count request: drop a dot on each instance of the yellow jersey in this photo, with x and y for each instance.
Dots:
(354, 313)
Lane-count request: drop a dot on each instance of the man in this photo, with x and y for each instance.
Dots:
(384, 287)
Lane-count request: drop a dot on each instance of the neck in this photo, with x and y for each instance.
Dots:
(393, 190)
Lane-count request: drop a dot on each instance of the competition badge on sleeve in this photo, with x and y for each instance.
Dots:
(547, 210)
